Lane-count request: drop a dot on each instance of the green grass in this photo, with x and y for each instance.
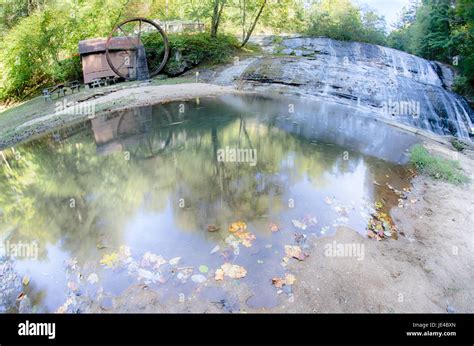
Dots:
(437, 167)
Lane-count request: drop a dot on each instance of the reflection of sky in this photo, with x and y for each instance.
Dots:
(160, 234)
(47, 275)
(344, 188)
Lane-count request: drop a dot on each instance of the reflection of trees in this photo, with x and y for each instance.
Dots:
(172, 162)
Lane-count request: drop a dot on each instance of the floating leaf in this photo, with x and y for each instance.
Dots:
(310, 220)
(93, 278)
(231, 270)
(73, 286)
(273, 227)
(174, 261)
(110, 260)
(280, 282)
(299, 224)
(219, 275)
(215, 249)
(150, 259)
(198, 278)
(294, 251)
(203, 269)
(148, 275)
(26, 280)
(212, 228)
(238, 227)
(246, 238)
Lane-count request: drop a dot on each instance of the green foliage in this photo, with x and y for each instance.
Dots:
(68, 69)
(437, 167)
(341, 20)
(36, 52)
(189, 50)
(458, 145)
(437, 30)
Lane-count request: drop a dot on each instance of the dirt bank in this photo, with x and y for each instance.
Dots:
(428, 269)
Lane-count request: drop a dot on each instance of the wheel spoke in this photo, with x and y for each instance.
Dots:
(155, 59)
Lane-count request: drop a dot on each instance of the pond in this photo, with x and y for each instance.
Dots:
(147, 196)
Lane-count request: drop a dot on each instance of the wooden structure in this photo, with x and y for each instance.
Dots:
(94, 61)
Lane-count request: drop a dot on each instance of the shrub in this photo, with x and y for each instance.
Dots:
(189, 50)
(68, 69)
(437, 167)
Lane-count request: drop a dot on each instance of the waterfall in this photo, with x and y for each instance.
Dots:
(369, 77)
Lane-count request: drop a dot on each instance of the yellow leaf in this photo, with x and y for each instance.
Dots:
(238, 226)
(231, 270)
(110, 260)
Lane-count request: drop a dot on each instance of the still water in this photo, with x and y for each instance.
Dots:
(138, 188)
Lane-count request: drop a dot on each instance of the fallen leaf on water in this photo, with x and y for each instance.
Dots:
(231, 270)
(174, 261)
(150, 259)
(219, 275)
(110, 260)
(215, 249)
(72, 285)
(280, 282)
(212, 228)
(124, 252)
(295, 251)
(92, 278)
(246, 238)
(237, 227)
(198, 278)
(203, 269)
(26, 280)
(273, 227)
(310, 220)
(299, 224)
(148, 275)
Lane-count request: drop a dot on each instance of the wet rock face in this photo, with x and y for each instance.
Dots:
(392, 83)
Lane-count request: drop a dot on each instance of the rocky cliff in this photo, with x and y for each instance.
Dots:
(382, 80)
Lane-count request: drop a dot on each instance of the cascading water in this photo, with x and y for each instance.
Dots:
(390, 83)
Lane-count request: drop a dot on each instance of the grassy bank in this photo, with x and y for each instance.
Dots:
(437, 167)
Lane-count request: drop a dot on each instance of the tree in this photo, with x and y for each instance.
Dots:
(247, 33)
(218, 7)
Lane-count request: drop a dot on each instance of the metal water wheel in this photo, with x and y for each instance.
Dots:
(137, 48)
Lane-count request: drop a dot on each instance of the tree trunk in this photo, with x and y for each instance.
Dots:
(249, 33)
(216, 16)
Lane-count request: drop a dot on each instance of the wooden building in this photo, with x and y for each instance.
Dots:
(94, 61)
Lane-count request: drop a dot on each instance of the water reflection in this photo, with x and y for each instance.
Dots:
(150, 179)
